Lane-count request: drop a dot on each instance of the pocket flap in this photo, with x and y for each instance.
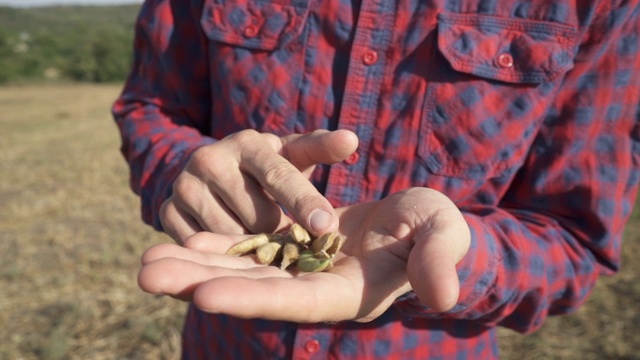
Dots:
(254, 24)
(506, 49)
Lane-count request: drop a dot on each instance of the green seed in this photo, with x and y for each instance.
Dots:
(308, 262)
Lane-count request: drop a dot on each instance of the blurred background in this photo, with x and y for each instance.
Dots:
(70, 230)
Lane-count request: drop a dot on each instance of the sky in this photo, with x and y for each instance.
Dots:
(29, 3)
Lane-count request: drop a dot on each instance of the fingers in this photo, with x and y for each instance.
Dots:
(252, 291)
(245, 202)
(179, 278)
(313, 298)
(177, 223)
(292, 190)
(213, 243)
(214, 195)
(221, 196)
(281, 177)
(176, 270)
(239, 184)
(209, 256)
(319, 147)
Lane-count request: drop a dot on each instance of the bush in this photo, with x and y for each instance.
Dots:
(87, 44)
(104, 56)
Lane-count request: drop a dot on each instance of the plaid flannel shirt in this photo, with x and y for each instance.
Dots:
(524, 112)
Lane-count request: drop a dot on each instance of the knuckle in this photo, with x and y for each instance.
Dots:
(210, 163)
(302, 202)
(278, 175)
(202, 159)
(183, 186)
(245, 138)
(202, 155)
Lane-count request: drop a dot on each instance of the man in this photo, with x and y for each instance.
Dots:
(480, 158)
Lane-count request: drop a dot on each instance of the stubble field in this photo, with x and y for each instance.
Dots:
(70, 240)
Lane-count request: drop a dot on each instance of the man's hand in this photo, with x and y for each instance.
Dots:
(409, 241)
(237, 185)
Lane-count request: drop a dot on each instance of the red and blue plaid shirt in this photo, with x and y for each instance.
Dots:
(524, 112)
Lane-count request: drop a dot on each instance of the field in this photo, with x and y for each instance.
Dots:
(70, 240)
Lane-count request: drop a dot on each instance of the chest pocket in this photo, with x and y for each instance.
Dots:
(494, 82)
(256, 52)
(263, 25)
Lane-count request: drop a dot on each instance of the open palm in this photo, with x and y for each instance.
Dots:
(408, 241)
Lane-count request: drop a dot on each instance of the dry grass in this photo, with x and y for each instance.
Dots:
(70, 239)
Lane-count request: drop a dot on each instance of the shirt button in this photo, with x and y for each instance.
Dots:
(312, 346)
(251, 31)
(505, 60)
(352, 159)
(369, 57)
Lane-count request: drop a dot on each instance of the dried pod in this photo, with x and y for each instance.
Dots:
(323, 243)
(267, 253)
(296, 245)
(290, 253)
(299, 234)
(276, 238)
(335, 247)
(308, 262)
(249, 245)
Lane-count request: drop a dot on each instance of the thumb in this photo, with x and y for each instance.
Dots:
(318, 147)
(432, 275)
(431, 267)
(295, 192)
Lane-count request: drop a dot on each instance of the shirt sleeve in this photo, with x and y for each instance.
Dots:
(560, 224)
(162, 112)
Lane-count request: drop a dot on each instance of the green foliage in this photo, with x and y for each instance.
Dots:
(78, 43)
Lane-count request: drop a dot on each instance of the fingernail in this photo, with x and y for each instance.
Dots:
(319, 220)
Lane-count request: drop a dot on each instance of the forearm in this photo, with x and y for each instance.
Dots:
(162, 113)
(156, 149)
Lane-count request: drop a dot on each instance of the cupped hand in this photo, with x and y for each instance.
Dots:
(411, 240)
(237, 185)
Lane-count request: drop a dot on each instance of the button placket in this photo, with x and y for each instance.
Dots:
(505, 60)
(369, 57)
(361, 95)
(353, 158)
(310, 342)
(312, 346)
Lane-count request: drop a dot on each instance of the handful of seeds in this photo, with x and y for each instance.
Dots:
(295, 246)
